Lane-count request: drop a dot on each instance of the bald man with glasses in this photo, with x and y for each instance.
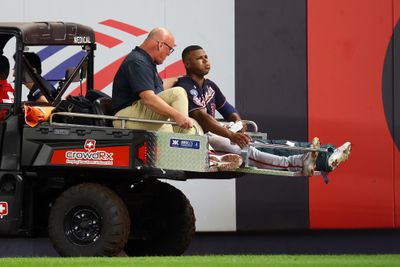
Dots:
(139, 92)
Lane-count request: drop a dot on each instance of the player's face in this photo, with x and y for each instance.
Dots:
(199, 62)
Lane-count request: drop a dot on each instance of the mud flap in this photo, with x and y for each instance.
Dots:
(11, 188)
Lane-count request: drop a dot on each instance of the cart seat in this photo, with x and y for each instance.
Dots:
(103, 106)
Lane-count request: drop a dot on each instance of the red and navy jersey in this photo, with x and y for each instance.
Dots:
(6, 92)
(208, 96)
(6, 96)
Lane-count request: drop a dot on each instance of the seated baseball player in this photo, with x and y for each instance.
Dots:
(205, 97)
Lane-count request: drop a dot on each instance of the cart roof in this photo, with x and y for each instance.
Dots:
(47, 33)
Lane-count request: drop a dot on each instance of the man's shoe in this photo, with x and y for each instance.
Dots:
(310, 159)
(227, 162)
(340, 155)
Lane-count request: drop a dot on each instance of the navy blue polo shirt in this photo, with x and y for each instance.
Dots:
(35, 93)
(137, 73)
(208, 96)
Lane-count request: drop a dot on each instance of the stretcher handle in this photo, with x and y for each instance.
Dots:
(107, 117)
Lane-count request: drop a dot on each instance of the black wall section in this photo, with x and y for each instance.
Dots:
(396, 88)
(271, 89)
(391, 86)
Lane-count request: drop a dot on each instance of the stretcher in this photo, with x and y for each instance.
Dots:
(190, 153)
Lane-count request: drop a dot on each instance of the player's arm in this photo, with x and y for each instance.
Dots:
(234, 117)
(210, 124)
(41, 99)
(230, 114)
(169, 82)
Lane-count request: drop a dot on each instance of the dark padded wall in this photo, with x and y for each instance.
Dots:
(271, 89)
(391, 86)
(396, 88)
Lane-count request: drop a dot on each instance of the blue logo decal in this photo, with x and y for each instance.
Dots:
(180, 143)
(194, 92)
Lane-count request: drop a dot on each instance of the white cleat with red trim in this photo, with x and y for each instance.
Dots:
(340, 155)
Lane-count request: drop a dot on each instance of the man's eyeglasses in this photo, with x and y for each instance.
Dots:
(171, 49)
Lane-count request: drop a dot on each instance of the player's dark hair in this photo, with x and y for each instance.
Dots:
(189, 49)
(34, 60)
(4, 67)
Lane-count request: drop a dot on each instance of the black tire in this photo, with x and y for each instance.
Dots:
(163, 220)
(89, 220)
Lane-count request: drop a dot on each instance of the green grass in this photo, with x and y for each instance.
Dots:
(213, 261)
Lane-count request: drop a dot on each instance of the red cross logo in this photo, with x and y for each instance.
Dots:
(3, 209)
(90, 145)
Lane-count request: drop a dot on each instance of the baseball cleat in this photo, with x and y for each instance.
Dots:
(340, 155)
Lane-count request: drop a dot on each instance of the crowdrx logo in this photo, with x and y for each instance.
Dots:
(3, 209)
(91, 156)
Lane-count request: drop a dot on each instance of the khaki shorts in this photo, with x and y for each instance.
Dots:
(175, 97)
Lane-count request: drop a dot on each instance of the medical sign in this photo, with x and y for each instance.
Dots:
(182, 143)
(92, 155)
(3, 209)
(82, 40)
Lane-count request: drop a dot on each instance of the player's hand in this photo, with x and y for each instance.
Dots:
(183, 121)
(240, 139)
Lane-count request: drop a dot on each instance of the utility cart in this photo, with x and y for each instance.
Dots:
(92, 188)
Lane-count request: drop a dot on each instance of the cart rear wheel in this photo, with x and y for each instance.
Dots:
(89, 220)
(163, 220)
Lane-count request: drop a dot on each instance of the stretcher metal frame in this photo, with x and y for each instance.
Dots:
(258, 140)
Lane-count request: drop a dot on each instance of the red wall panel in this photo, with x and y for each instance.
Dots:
(347, 42)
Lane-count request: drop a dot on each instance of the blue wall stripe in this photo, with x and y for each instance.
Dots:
(59, 71)
(49, 51)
